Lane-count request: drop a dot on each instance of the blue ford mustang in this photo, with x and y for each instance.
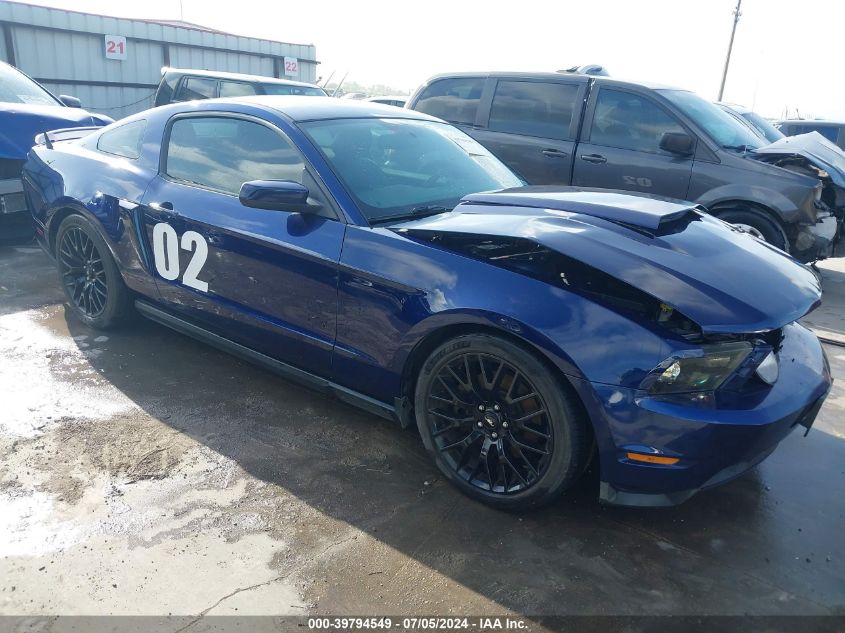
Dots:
(523, 331)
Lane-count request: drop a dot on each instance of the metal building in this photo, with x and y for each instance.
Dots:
(114, 64)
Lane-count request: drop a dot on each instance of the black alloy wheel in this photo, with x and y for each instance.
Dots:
(500, 425)
(491, 425)
(89, 275)
(82, 271)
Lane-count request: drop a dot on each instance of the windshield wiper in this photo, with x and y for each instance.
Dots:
(740, 148)
(416, 212)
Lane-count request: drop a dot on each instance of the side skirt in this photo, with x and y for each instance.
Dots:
(371, 405)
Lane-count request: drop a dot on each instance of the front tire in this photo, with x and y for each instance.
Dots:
(88, 274)
(757, 225)
(501, 426)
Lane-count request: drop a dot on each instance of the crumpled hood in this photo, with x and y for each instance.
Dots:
(815, 148)
(19, 123)
(724, 280)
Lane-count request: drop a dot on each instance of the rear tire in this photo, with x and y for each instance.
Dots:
(501, 426)
(758, 225)
(89, 275)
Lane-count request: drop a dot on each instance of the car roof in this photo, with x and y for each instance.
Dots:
(500, 74)
(811, 122)
(739, 109)
(307, 108)
(219, 74)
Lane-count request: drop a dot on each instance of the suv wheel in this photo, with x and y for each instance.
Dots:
(757, 225)
(501, 427)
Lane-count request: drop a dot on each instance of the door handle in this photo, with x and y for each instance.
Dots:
(554, 153)
(162, 206)
(596, 159)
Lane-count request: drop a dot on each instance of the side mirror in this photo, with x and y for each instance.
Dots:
(71, 102)
(277, 195)
(677, 143)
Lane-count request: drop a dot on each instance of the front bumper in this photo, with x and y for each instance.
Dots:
(818, 241)
(714, 445)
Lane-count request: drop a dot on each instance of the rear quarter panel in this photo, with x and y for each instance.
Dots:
(101, 187)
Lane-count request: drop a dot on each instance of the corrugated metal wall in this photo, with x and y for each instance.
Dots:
(64, 50)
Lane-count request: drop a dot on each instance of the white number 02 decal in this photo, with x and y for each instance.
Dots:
(166, 255)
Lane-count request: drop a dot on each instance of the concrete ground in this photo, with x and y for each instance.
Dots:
(145, 473)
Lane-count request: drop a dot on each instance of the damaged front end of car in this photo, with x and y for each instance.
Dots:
(734, 373)
(813, 155)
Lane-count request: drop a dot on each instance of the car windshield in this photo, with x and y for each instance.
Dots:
(293, 89)
(15, 87)
(769, 131)
(404, 167)
(719, 125)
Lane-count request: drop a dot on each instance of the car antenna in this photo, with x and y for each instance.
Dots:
(47, 140)
(334, 94)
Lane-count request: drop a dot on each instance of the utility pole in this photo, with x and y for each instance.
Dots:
(737, 13)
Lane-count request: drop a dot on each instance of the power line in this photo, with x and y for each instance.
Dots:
(125, 105)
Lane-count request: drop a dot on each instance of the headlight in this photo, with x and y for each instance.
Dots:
(704, 369)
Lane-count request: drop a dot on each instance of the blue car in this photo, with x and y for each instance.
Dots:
(27, 109)
(385, 257)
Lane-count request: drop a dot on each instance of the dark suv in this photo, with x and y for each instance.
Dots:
(573, 129)
(189, 85)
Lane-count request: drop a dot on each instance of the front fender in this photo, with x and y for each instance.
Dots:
(789, 210)
(437, 326)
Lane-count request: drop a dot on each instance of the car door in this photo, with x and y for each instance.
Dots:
(266, 279)
(621, 148)
(531, 125)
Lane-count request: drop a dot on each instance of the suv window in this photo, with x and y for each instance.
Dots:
(293, 89)
(533, 108)
(124, 140)
(196, 88)
(236, 89)
(455, 100)
(629, 121)
(222, 153)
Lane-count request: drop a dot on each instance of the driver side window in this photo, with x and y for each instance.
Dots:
(221, 153)
(629, 121)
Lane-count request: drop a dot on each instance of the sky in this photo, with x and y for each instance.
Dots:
(786, 54)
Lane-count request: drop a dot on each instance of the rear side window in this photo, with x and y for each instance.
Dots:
(166, 89)
(455, 100)
(222, 153)
(629, 121)
(236, 89)
(124, 140)
(196, 88)
(533, 108)
(293, 89)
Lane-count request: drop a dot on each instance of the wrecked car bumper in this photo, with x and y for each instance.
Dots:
(711, 445)
(818, 241)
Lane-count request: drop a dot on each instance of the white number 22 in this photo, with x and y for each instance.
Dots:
(166, 255)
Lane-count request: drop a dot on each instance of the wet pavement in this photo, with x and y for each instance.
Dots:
(145, 473)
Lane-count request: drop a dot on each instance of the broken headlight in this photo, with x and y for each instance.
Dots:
(698, 370)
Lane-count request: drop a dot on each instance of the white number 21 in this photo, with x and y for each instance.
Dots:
(166, 255)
